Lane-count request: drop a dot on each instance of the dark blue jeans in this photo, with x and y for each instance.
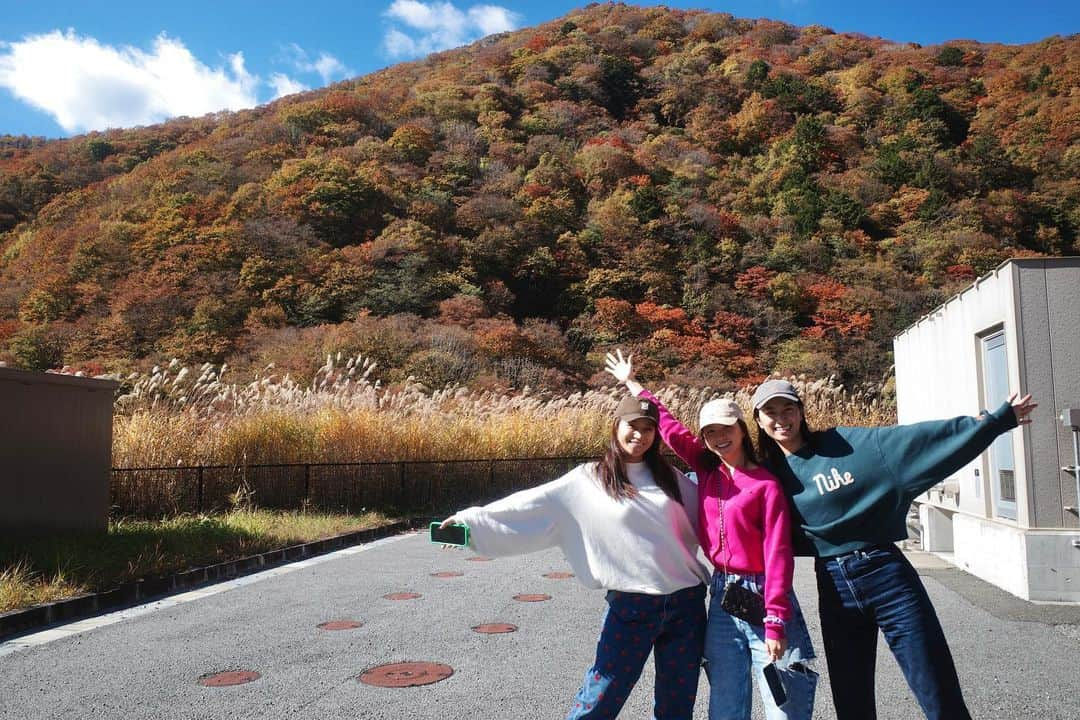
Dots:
(672, 627)
(863, 591)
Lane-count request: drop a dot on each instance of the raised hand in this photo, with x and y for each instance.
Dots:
(1022, 408)
(622, 368)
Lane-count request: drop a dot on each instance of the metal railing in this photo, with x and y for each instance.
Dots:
(402, 486)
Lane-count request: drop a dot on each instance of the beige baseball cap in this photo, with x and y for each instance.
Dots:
(722, 411)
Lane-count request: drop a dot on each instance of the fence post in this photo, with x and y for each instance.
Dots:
(199, 493)
(307, 483)
(401, 482)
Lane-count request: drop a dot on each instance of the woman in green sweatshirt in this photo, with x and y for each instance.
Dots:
(851, 489)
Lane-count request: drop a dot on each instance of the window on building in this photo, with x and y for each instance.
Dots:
(995, 380)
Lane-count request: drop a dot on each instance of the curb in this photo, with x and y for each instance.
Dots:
(17, 622)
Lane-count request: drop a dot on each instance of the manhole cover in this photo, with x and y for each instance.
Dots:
(401, 596)
(447, 574)
(406, 674)
(339, 625)
(478, 558)
(495, 628)
(532, 597)
(228, 678)
(559, 575)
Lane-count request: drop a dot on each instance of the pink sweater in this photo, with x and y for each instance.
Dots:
(757, 521)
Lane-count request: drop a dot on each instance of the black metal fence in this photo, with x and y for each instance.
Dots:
(415, 486)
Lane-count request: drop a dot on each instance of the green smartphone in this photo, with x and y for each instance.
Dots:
(456, 534)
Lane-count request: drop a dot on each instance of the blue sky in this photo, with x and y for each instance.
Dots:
(70, 67)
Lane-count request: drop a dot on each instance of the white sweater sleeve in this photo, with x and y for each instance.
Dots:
(524, 522)
(688, 489)
(641, 544)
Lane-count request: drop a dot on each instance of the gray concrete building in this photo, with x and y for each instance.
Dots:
(1010, 516)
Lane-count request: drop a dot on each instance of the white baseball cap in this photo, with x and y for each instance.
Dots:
(722, 411)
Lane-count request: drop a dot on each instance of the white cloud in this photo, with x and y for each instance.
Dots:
(284, 85)
(328, 67)
(86, 85)
(431, 26)
(398, 44)
(493, 19)
(429, 17)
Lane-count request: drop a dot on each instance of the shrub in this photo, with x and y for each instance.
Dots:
(439, 369)
(36, 347)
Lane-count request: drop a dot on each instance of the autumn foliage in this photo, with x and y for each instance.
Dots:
(726, 197)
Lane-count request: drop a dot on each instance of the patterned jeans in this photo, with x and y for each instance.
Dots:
(672, 627)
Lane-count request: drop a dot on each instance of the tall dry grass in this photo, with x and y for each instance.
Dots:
(22, 586)
(174, 416)
(827, 403)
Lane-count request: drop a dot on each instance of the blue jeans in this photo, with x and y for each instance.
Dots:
(863, 591)
(735, 651)
(672, 627)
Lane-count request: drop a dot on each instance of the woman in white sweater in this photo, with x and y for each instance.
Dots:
(622, 523)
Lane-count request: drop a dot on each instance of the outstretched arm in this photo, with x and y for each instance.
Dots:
(923, 454)
(678, 437)
(524, 522)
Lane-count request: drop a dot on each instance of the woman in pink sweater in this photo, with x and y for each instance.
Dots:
(744, 529)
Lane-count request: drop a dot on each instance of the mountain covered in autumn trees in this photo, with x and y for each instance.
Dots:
(725, 197)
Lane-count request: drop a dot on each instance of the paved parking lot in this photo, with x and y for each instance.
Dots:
(1016, 660)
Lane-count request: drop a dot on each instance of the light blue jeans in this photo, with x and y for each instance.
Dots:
(735, 651)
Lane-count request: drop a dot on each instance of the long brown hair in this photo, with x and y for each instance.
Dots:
(611, 469)
(711, 460)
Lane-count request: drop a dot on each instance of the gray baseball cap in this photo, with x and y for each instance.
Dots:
(774, 388)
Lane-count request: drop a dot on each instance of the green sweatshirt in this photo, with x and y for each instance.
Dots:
(851, 487)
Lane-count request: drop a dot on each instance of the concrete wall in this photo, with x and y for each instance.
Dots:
(1036, 302)
(1033, 564)
(1049, 302)
(937, 376)
(993, 551)
(55, 451)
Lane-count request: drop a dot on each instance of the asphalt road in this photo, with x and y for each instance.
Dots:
(1016, 660)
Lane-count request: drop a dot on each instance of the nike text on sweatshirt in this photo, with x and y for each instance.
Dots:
(851, 487)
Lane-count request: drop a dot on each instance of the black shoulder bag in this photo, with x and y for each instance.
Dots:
(738, 600)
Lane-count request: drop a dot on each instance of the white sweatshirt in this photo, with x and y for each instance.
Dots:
(644, 544)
